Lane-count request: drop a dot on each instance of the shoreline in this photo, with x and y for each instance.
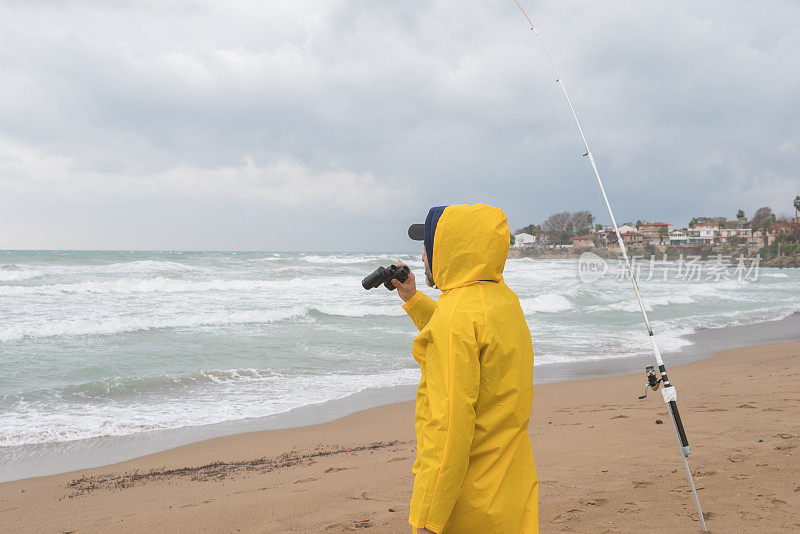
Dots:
(672, 253)
(45, 459)
(604, 466)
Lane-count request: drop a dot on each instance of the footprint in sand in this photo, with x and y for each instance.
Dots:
(706, 515)
(304, 480)
(737, 458)
(193, 504)
(398, 459)
(594, 502)
(569, 515)
(365, 497)
(620, 417)
(245, 492)
(335, 469)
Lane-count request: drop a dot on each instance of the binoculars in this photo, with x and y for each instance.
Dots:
(385, 275)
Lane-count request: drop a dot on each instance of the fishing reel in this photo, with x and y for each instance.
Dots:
(652, 380)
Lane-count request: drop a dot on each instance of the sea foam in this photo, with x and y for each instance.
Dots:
(119, 325)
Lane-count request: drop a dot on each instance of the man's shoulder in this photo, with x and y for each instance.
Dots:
(481, 298)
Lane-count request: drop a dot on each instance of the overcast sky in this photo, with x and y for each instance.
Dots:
(332, 125)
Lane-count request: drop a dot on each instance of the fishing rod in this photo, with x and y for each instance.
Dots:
(653, 382)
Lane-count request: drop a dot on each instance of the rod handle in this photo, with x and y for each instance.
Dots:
(687, 450)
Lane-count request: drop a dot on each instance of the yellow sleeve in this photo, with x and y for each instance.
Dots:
(452, 373)
(420, 307)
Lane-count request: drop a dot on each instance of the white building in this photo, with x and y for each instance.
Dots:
(703, 234)
(678, 237)
(523, 239)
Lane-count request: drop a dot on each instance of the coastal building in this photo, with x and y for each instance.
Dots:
(735, 236)
(632, 239)
(678, 238)
(703, 234)
(552, 238)
(583, 241)
(727, 235)
(707, 226)
(780, 229)
(622, 229)
(610, 237)
(655, 233)
(758, 239)
(522, 240)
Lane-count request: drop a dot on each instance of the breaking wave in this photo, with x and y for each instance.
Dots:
(160, 284)
(546, 303)
(119, 325)
(14, 273)
(121, 406)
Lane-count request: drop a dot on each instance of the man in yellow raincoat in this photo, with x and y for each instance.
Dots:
(474, 470)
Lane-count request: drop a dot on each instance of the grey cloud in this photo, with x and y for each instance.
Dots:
(158, 106)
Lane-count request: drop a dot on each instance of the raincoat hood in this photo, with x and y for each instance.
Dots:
(470, 244)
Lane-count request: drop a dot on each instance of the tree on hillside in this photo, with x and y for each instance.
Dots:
(740, 215)
(557, 222)
(558, 226)
(760, 215)
(791, 233)
(532, 229)
(561, 226)
(638, 224)
(761, 221)
(598, 227)
(581, 222)
(796, 204)
(662, 233)
(765, 225)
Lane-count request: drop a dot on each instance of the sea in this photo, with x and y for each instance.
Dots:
(97, 345)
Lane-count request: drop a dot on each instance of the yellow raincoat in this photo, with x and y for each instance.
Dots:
(474, 470)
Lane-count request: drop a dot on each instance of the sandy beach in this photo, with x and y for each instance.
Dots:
(607, 463)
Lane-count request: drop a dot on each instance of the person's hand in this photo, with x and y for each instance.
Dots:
(405, 289)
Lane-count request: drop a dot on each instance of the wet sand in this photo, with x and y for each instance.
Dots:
(605, 463)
